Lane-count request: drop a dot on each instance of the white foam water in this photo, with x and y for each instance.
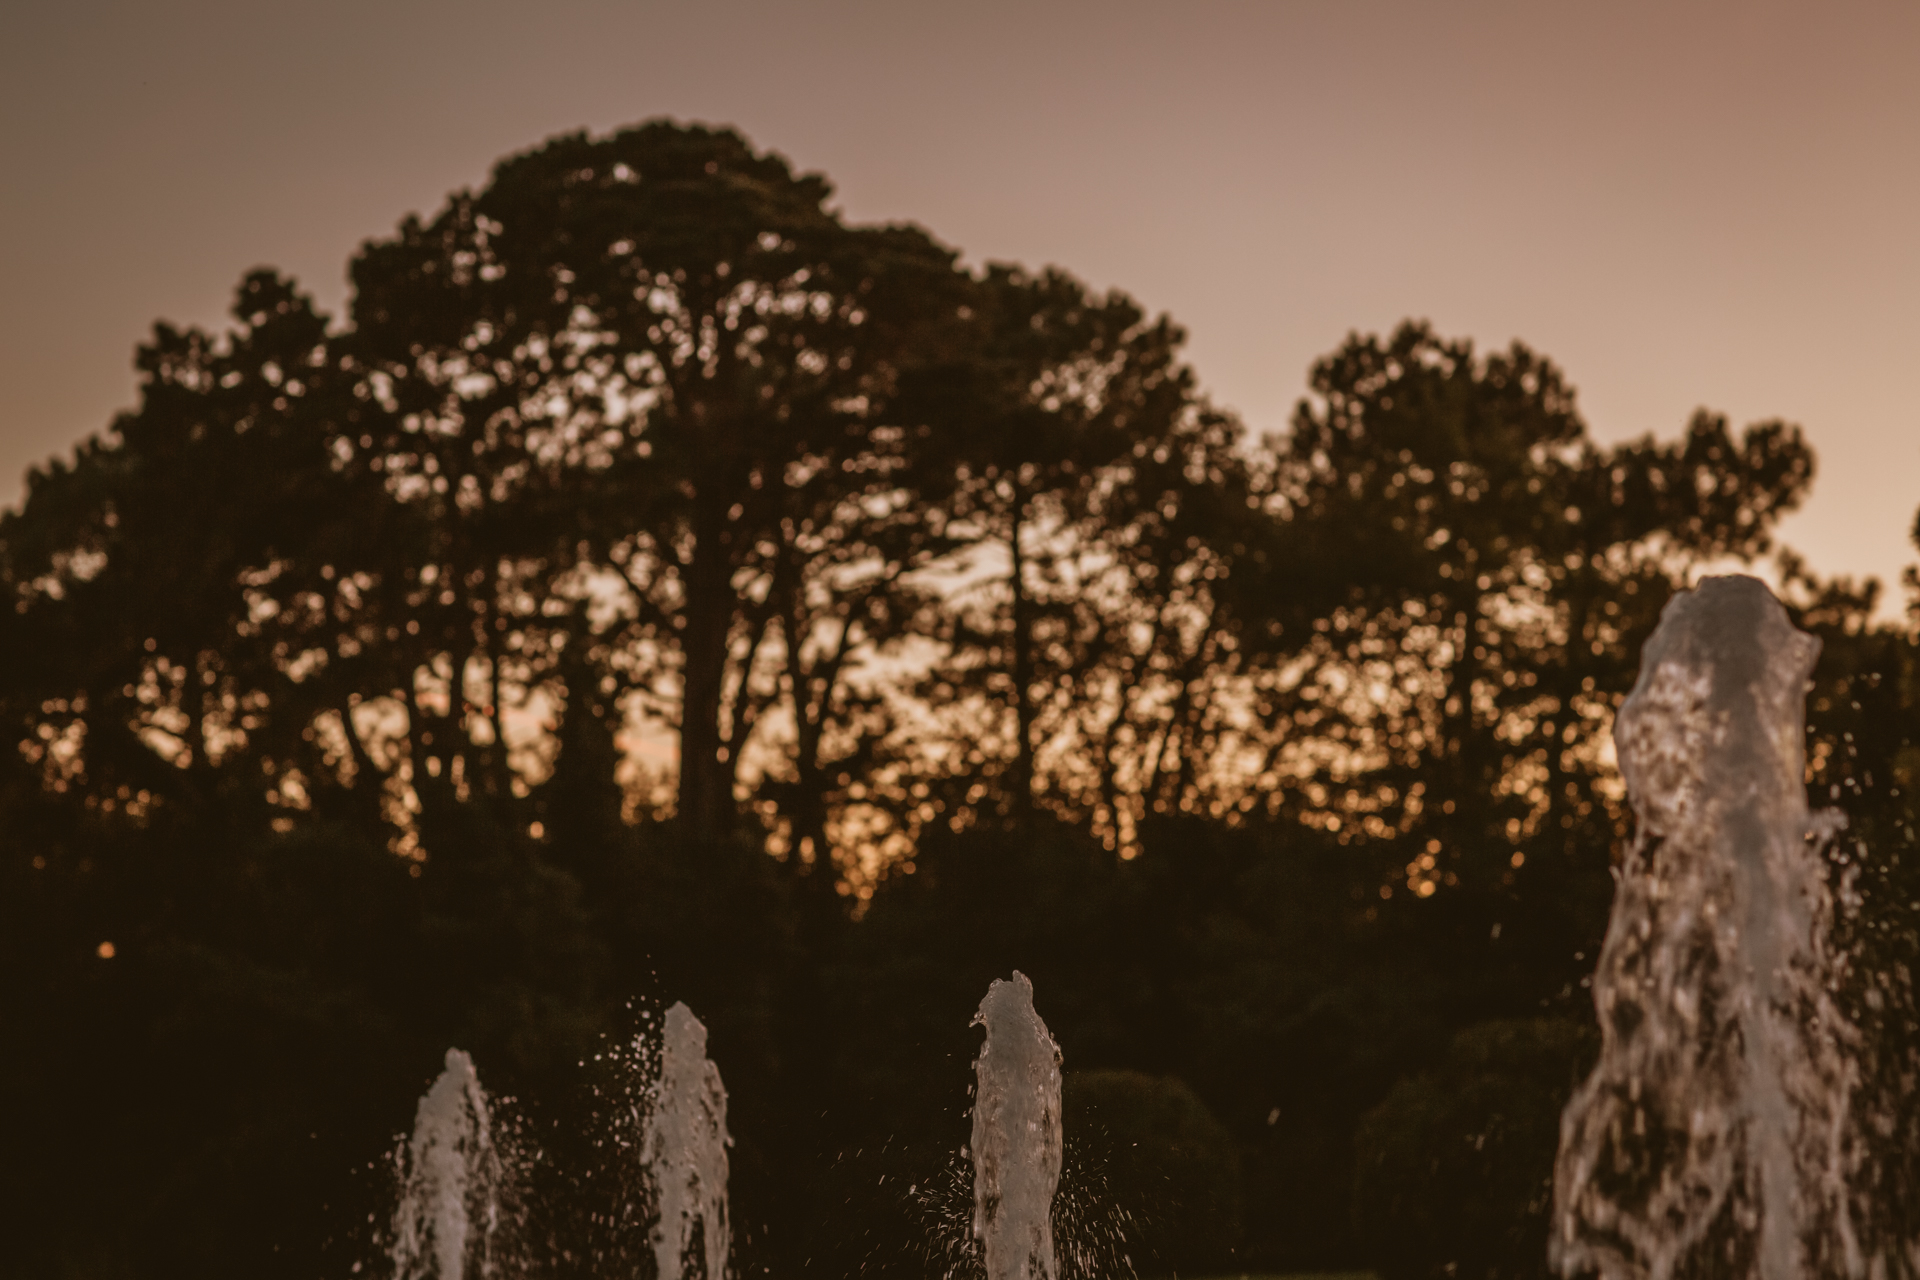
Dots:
(451, 1176)
(683, 1146)
(1714, 1136)
(1016, 1135)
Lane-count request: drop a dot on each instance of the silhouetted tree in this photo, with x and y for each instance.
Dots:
(349, 682)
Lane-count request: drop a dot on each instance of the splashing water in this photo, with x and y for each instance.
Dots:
(452, 1173)
(1714, 1136)
(1016, 1135)
(684, 1147)
(1090, 1229)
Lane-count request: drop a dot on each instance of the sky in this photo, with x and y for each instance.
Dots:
(1683, 205)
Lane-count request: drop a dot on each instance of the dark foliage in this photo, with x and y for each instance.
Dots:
(1455, 1166)
(1159, 1165)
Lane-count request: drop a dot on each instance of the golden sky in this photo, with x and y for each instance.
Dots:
(1682, 204)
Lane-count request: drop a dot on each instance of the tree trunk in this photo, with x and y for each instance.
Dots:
(1023, 766)
(705, 806)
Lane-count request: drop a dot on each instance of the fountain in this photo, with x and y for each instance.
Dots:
(455, 1177)
(684, 1147)
(1714, 1136)
(1719, 1134)
(451, 1180)
(1016, 1135)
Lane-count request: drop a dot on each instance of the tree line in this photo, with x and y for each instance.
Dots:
(656, 580)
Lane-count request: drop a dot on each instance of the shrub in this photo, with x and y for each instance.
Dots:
(1454, 1170)
(1148, 1161)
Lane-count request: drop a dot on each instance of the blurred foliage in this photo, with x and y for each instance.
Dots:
(657, 588)
(1863, 761)
(1158, 1161)
(1454, 1168)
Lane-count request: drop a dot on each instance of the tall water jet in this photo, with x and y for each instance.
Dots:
(1713, 1137)
(684, 1147)
(1016, 1135)
(449, 1203)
